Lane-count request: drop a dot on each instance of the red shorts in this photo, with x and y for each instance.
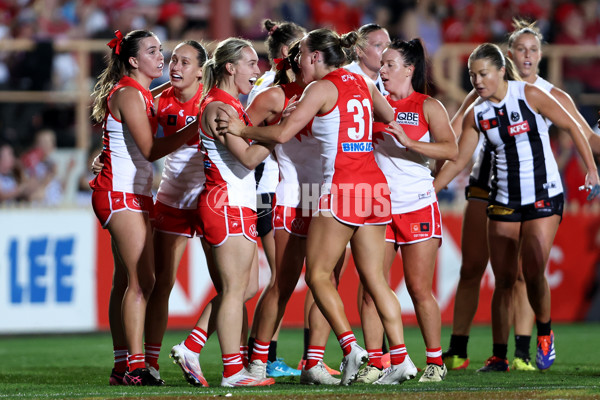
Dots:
(176, 221)
(105, 204)
(294, 220)
(220, 223)
(415, 226)
(357, 210)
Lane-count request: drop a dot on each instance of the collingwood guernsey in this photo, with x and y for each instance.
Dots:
(515, 133)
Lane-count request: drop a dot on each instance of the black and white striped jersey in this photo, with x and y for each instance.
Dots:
(524, 169)
(482, 168)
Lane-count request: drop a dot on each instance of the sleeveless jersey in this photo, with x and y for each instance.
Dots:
(183, 173)
(227, 179)
(269, 172)
(354, 67)
(299, 164)
(125, 168)
(481, 172)
(524, 170)
(345, 137)
(407, 172)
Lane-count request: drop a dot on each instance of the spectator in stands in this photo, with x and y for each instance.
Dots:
(14, 185)
(42, 169)
(571, 27)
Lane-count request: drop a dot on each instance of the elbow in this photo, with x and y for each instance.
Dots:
(280, 138)
(453, 155)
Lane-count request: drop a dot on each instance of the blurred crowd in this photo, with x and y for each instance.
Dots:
(25, 164)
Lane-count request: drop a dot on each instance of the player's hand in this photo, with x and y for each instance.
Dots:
(397, 131)
(290, 107)
(96, 166)
(592, 184)
(228, 121)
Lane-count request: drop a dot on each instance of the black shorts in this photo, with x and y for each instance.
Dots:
(539, 209)
(264, 213)
(477, 192)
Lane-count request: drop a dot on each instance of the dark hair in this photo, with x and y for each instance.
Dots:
(117, 66)
(202, 55)
(522, 26)
(281, 34)
(331, 45)
(493, 53)
(281, 76)
(413, 53)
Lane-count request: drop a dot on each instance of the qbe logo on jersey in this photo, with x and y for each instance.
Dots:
(408, 118)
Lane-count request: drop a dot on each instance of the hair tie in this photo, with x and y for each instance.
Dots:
(273, 29)
(282, 63)
(116, 42)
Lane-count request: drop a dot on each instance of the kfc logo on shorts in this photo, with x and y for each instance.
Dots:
(519, 128)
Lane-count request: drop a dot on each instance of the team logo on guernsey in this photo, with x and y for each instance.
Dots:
(487, 124)
(408, 118)
(519, 128)
(357, 147)
(172, 119)
(514, 116)
(425, 195)
(207, 164)
(189, 119)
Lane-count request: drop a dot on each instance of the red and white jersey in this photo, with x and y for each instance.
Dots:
(300, 174)
(183, 173)
(227, 179)
(345, 137)
(125, 168)
(407, 172)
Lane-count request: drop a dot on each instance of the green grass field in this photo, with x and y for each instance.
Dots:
(78, 366)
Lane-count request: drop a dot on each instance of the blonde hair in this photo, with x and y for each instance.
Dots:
(522, 26)
(227, 51)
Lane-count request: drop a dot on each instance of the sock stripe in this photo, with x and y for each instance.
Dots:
(433, 353)
(231, 359)
(315, 353)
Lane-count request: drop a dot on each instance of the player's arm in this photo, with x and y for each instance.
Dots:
(467, 143)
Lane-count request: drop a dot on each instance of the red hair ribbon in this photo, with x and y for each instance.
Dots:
(282, 63)
(116, 42)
